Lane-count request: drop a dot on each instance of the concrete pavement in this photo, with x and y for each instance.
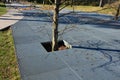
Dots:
(95, 54)
(10, 18)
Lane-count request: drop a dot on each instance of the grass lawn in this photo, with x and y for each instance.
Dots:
(85, 8)
(8, 63)
(3, 10)
(103, 10)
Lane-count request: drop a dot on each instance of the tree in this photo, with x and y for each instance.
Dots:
(57, 9)
(115, 5)
(100, 4)
(117, 12)
(55, 26)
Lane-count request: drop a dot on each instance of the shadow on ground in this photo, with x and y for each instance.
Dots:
(78, 18)
(112, 55)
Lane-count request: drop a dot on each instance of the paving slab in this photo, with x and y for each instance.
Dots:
(10, 18)
(95, 54)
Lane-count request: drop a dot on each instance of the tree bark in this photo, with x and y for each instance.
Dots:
(101, 3)
(43, 3)
(117, 12)
(55, 26)
(109, 2)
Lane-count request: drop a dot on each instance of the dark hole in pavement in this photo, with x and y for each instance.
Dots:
(62, 45)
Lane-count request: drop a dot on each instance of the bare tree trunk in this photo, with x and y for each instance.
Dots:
(101, 3)
(55, 26)
(43, 3)
(109, 2)
(117, 12)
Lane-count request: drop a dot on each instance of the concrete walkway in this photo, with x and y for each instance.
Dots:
(95, 54)
(10, 18)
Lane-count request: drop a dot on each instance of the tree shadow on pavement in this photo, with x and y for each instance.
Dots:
(79, 18)
(112, 56)
(93, 19)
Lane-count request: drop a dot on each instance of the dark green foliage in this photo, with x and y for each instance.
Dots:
(85, 2)
(78, 2)
(39, 1)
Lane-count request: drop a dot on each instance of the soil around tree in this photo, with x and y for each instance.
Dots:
(48, 46)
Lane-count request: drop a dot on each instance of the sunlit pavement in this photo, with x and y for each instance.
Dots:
(95, 54)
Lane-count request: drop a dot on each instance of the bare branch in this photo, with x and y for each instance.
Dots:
(66, 14)
(66, 29)
(63, 7)
(62, 2)
(72, 1)
(51, 2)
(48, 14)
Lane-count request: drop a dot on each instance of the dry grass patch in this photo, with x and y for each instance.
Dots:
(8, 63)
(47, 7)
(103, 10)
